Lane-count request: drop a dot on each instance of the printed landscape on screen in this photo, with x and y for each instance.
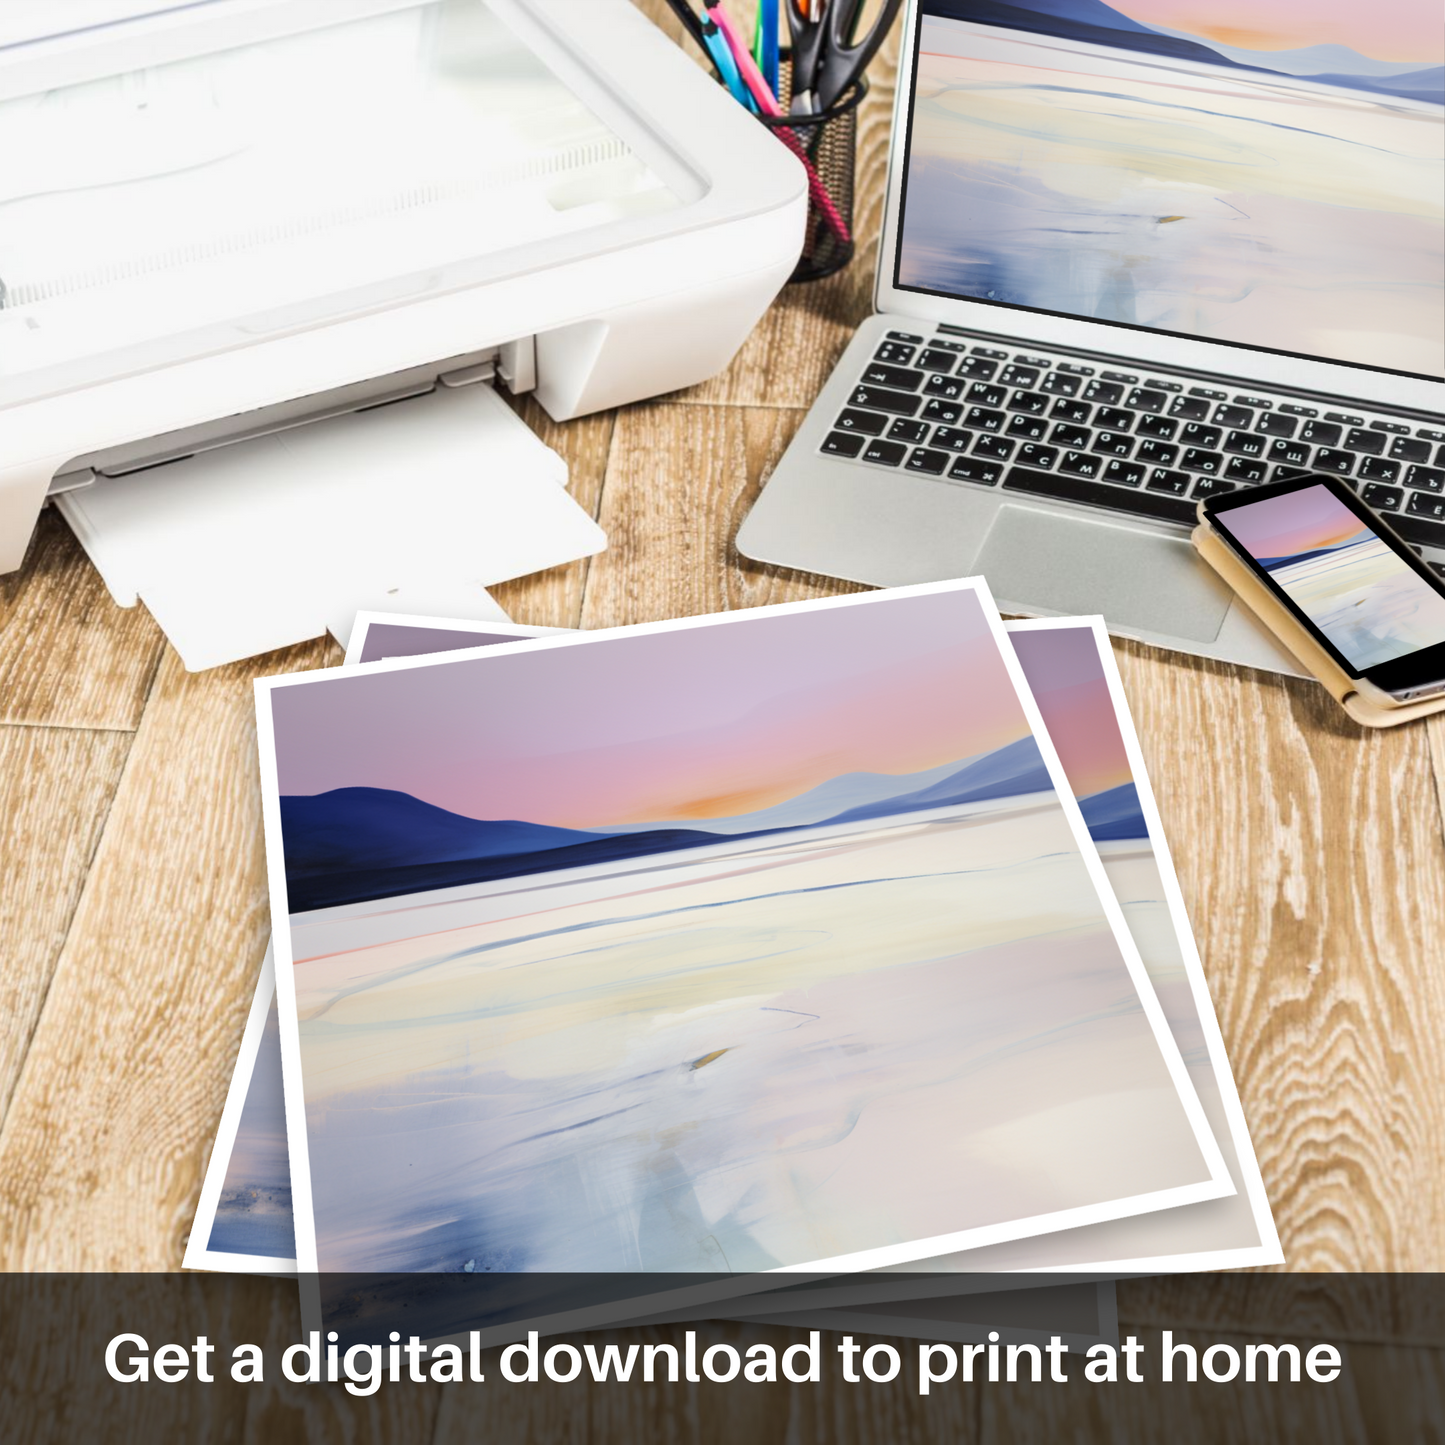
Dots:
(730, 947)
(1270, 172)
(1338, 572)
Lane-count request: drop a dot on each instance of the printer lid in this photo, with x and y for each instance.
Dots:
(184, 178)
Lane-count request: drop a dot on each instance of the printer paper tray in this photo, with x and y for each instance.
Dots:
(417, 506)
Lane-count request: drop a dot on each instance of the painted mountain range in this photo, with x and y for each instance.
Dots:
(1096, 23)
(1273, 564)
(350, 845)
(1114, 814)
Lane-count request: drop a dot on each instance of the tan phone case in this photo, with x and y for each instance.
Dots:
(1262, 602)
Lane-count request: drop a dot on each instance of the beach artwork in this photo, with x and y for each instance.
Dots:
(1355, 588)
(745, 943)
(1270, 174)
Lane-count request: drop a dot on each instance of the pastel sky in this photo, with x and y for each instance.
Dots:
(1296, 522)
(702, 722)
(1067, 679)
(1396, 30)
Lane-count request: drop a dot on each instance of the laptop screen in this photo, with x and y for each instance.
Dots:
(1267, 173)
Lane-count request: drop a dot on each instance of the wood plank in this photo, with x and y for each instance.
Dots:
(1311, 858)
(103, 1147)
(56, 786)
(69, 657)
(679, 482)
(554, 598)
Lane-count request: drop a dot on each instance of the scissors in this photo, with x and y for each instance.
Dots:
(828, 56)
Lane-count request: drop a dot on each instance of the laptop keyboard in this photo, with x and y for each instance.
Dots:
(1141, 444)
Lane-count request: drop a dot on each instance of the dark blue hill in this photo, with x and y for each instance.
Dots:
(1016, 768)
(363, 828)
(1114, 814)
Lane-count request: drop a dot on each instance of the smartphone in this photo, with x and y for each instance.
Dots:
(1338, 569)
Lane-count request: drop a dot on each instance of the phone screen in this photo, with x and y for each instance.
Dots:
(1360, 594)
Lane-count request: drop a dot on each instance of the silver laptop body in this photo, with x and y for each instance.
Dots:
(1063, 456)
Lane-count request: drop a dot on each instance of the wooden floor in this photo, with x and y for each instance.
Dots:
(133, 913)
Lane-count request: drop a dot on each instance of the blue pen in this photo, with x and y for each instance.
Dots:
(722, 58)
(768, 28)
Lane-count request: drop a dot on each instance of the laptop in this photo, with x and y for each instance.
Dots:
(1133, 255)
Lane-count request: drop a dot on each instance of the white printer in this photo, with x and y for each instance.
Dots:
(225, 220)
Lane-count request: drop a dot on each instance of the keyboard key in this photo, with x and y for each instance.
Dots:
(1290, 474)
(943, 345)
(1292, 454)
(1329, 459)
(1272, 424)
(904, 430)
(996, 447)
(1372, 443)
(1189, 408)
(1162, 427)
(1195, 435)
(1211, 487)
(1208, 393)
(1440, 457)
(1391, 426)
(1428, 479)
(1245, 469)
(1381, 498)
(1377, 469)
(1418, 530)
(1037, 361)
(1344, 418)
(1430, 434)
(1032, 456)
(1245, 444)
(905, 336)
(1196, 459)
(1015, 375)
(1294, 410)
(982, 394)
(1156, 454)
(1144, 398)
(1107, 392)
(1162, 385)
(1126, 377)
(1124, 474)
(1162, 480)
(1423, 504)
(1066, 410)
(1077, 370)
(955, 439)
(1059, 383)
(1035, 403)
(1076, 488)
(1321, 433)
(895, 353)
(945, 411)
(878, 398)
(1032, 428)
(1233, 416)
(983, 419)
(886, 454)
(972, 469)
(989, 351)
(1070, 436)
(1112, 444)
(935, 360)
(977, 369)
(1406, 449)
(1081, 464)
(1113, 418)
(948, 387)
(878, 374)
(843, 444)
(867, 422)
(923, 459)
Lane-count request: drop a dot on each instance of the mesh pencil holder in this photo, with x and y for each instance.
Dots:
(826, 143)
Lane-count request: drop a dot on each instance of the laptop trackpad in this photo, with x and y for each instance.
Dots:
(1038, 559)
